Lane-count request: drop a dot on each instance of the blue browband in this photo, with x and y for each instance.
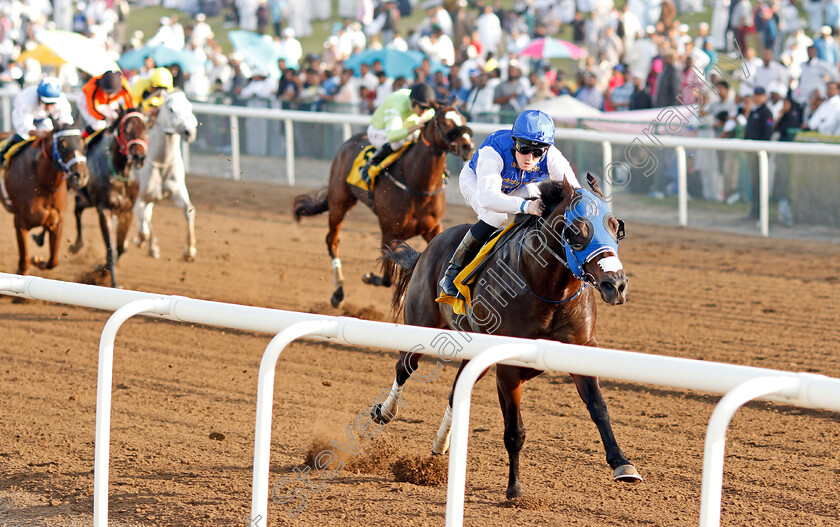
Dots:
(588, 208)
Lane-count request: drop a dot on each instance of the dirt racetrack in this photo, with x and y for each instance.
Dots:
(184, 396)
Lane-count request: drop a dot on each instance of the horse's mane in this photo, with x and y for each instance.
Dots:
(551, 192)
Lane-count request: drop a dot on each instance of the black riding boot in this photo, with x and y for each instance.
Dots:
(379, 157)
(465, 252)
(7, 145)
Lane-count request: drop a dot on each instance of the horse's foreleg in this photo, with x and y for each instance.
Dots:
(336, 218)
(590, 393)
(108, 236)
(81, 205)
(182, 200)
(123, 224)
(23, 261)
(388, 403)
(509, 389)
(143, 224)
(55, 229)
(440, 443)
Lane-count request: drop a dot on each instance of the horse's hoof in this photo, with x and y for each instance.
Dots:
(75, 248)
(376, 415)
(369, 278)
(337, 298)
(627, 474)
(154, 252)
(514, 491)
(138, 241)
(189, 254)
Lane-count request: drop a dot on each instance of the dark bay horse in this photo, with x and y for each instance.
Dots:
(36, 184)
(113, 157)
(541, 283)
(408, 196)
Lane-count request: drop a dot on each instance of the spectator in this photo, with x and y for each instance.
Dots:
(668, 82)
(823, 119)
(589, 94)
(579, 29)
(291, 48)
(622, 93)
(510, 95)
(759, 128)
(827, 48)
(438, 46)
(640, 99)
(489, 29)
(480, 98)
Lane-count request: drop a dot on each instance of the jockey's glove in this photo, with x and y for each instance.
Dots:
(535, 207)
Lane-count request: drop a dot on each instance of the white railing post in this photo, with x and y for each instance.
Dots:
(290, 153)
(712, 483)
(348, 132)
(606, 182)
(764, 193)
(234, 146)
(265, 402)
(682, 187)
(456, 481)
(102, 444)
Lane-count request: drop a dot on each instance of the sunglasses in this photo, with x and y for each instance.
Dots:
(536, 151)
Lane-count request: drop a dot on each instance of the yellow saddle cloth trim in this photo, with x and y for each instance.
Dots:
(354, 178)
(15, 149)
(459, 304)
(92, 136)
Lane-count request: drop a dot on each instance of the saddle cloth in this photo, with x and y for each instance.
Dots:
(354, 178)
(6, 159)
(466, 278)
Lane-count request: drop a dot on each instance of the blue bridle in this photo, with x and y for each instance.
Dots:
(59, 163)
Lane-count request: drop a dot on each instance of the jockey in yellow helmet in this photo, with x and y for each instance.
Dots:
(150, 91)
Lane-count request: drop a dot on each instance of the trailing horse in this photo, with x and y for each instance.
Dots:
(408, 195)
(539, 282)
(162, 176)
(36, 183)
(113, 157)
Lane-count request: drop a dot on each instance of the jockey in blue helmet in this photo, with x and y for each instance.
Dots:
(33, 111)
(501, 179)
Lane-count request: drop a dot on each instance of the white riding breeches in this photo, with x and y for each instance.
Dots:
(379, 137)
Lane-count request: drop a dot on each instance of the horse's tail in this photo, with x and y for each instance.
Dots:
(405, 259)
(310, 204)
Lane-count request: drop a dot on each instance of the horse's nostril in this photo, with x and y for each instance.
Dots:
(607, 286)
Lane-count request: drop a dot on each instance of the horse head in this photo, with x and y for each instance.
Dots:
(450, 133)
(68, 149)
(129, 130)
(176, 116)
(583, 225)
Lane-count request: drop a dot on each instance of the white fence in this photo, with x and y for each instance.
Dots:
(740, 383)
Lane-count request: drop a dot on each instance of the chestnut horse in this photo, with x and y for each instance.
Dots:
(113, 157)
(527, 289)
(36, 185)
(408, 195)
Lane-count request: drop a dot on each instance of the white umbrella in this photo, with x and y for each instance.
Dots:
(79, 51)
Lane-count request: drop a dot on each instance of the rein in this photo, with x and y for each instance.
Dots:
(584, 284)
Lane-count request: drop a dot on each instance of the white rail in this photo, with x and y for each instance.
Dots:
(802, 389)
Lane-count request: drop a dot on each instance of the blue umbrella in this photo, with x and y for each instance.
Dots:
(163, 56)
(395, 63)
(257, 51)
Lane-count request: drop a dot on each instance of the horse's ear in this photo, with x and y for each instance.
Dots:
(568, 190)
(593, 184)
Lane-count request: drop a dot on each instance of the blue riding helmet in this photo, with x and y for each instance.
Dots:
(49, 90)
(533, 127)
(589, 208)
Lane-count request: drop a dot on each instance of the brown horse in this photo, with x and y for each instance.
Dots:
(36, 185)
(408, 196)
(113, 157)
(525, 289)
